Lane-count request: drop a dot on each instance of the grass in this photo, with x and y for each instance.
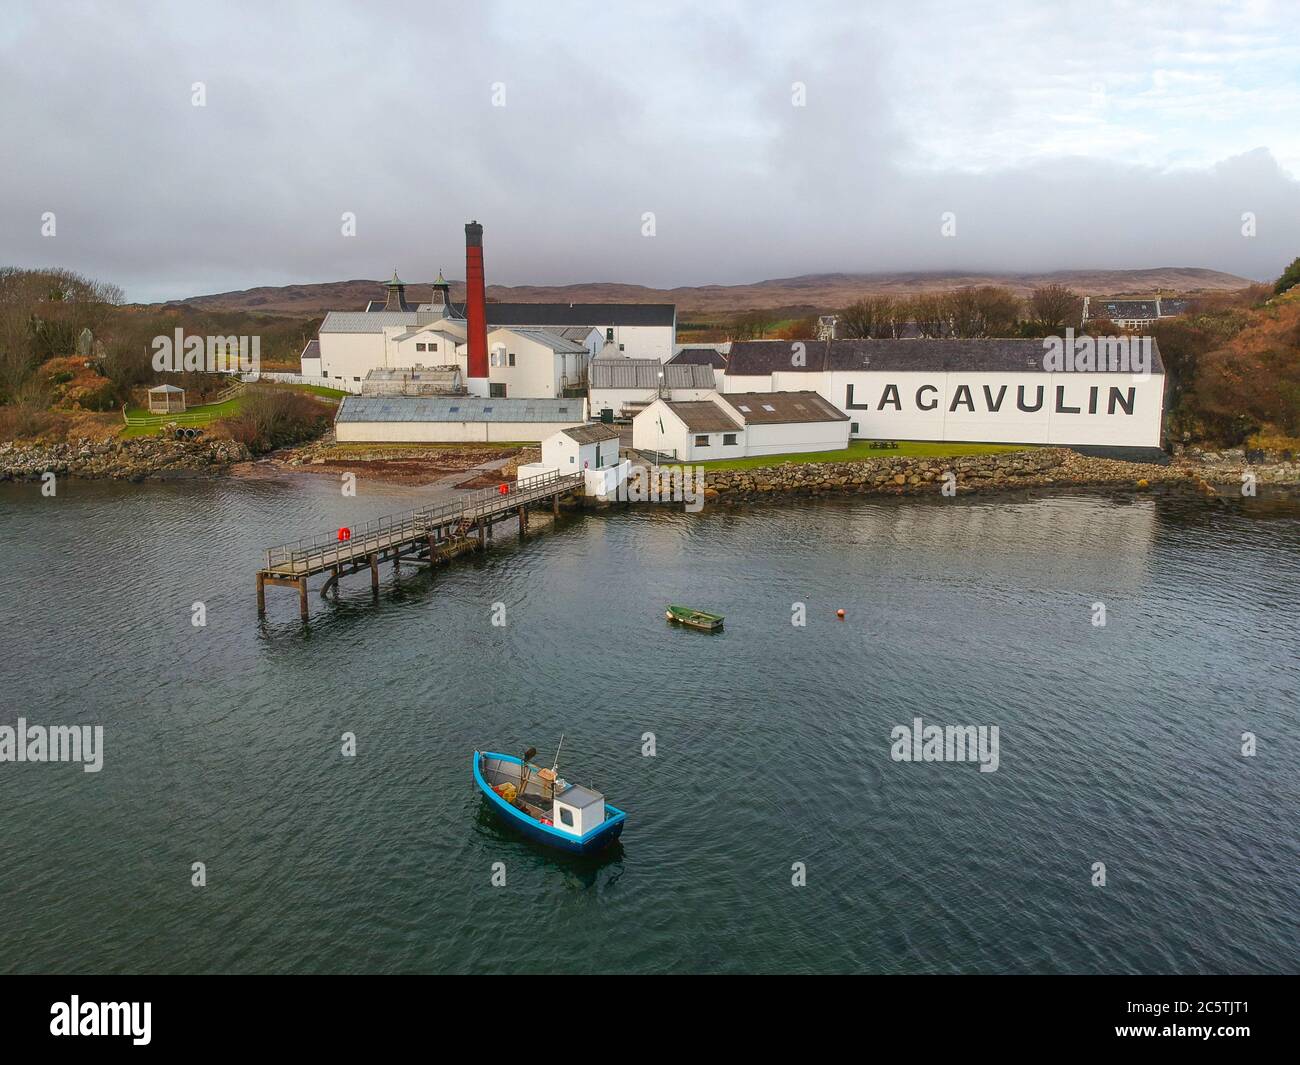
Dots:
(858, 450)
(142, 423)
(146, 424)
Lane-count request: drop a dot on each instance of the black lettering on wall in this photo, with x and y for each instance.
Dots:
(1061, 408)
(962, 395)
(926, 388)
(1116, 396)
(848, 401)
(994, 405)
(1020, 399)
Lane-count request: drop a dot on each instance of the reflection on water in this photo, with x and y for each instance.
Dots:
(222, 743)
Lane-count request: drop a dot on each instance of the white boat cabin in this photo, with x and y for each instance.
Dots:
(578, 810)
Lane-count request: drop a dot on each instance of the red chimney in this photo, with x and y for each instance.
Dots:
(475, 301)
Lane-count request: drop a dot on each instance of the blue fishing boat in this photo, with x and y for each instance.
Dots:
(545, 807)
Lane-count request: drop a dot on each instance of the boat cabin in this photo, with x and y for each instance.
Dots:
(578, 810)
(541, 795)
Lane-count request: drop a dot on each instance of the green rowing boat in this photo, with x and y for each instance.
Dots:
(697, 619)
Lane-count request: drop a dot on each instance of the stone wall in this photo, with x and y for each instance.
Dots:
(131, 460)
(974, 473)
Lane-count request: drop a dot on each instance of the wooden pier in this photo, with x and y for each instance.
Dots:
(424, 536)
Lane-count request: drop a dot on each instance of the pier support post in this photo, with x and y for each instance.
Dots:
(523, 520)
(555, 504)
(338, 575)
(261, 595)
(482, 541)
(302, 597)
(374, 574)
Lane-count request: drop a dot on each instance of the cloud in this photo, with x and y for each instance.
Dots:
(1057, 142)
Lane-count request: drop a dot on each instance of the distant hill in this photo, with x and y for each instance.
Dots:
(789, 295)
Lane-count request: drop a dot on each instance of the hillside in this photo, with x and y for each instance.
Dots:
(791, 295)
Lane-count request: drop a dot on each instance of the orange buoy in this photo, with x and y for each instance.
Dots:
(840, 614)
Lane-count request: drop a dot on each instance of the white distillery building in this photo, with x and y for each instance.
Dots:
(551, 343)
(739, 425)
(986, 391)
(621, 388)
(454, 419)
(592, 449)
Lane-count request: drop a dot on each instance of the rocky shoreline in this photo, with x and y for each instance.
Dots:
(133, 460)
(1211, 474)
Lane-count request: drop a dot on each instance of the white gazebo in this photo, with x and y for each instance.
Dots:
(166, 399)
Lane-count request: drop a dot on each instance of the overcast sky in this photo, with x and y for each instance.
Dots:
(1061, 135)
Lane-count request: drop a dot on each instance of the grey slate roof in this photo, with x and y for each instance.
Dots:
(704, 416)
(782, 408)
(312, 350)
(644, 373)
(598, 314)
(701, 356)
(1134, 310)
(592, 433)
(458, 409)
(756, 358)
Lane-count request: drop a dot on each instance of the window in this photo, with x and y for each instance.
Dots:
(768, 406)
(742, 407)
(433, 347)
(453, 410)
(566, 815)
(853, 428)
(572, 459)
(496, 392)
(419, 347)
(621, 346)
(511, 357)
(356, 378)
(728, 439)
(702, 440)
(609, 334)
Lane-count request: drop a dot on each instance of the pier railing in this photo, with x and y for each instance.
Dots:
(313, 553)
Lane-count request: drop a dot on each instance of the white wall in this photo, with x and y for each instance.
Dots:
(678, 441)
(1009, 424)
(801, 436)
(448, 432)
(643, 341)
(1100, 420)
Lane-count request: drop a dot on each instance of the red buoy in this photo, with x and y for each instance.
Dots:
(840, 614)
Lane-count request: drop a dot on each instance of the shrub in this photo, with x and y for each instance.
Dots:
(271, 418)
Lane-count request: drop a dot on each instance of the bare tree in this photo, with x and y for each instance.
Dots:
(871, 317)
(1054, 307)
(984, 311)
(932, 315)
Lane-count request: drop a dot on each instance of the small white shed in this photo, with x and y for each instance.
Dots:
(584, 447)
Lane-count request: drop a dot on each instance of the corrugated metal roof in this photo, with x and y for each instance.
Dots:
(459, 409)
(551, 340)
(367, 321)
(644, 373)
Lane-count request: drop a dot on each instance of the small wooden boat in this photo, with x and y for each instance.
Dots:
(545, 807)
(696, 619)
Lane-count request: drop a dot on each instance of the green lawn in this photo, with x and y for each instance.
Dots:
(205, 414)
(859, 450)
(142, 423)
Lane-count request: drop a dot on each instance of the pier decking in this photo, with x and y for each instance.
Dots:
(423, 536)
